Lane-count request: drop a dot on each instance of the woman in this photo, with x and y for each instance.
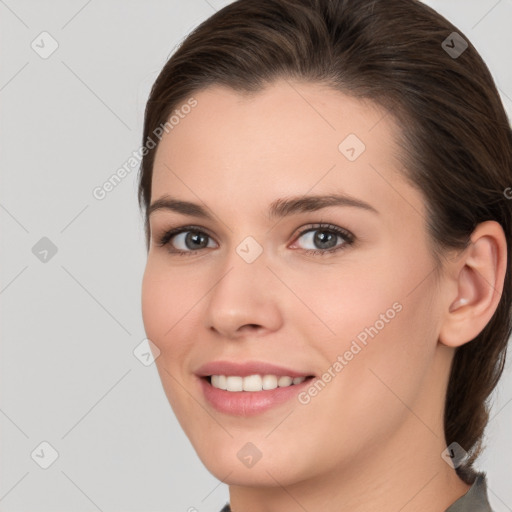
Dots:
(328, 282)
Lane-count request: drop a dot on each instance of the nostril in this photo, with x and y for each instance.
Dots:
(251, 327)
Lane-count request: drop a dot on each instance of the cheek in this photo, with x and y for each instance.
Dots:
(386, 294)
(166, 301)
(378, 334)
(337, 305)
(372, 381)
(154, 302)
(164, 313)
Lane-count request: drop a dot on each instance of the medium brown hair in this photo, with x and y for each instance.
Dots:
(456, 141)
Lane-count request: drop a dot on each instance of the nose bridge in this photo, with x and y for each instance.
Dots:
(240, 295)
(245, 270)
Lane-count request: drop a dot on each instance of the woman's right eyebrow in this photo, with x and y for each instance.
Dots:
(167, 202)
(279, 208)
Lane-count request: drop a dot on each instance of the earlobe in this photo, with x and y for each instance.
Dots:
(479, 276)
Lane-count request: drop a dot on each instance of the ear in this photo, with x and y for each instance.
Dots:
(476, 285)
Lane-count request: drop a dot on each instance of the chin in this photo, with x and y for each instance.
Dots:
(225, 465)
(257, 476)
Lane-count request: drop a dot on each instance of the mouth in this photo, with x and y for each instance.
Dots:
(246, 396)
(254, 383)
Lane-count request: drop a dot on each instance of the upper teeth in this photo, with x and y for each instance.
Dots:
(253, 382)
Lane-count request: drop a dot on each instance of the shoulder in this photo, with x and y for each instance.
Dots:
(476, 499)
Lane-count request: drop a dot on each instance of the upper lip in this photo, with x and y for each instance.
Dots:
(247, 368)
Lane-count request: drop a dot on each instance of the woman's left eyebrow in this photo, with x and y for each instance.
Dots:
(292, 205)
(278, 208)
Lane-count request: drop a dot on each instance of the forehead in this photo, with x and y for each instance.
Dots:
(287, 139)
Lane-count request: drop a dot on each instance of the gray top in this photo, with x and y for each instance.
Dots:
(475, 500)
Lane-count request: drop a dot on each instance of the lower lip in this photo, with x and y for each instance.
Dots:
(249, 403)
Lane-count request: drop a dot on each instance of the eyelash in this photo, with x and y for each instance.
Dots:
(348, 237)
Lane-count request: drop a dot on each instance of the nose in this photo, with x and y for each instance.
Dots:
(244, 300)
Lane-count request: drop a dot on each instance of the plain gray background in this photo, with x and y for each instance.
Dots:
(70, 324)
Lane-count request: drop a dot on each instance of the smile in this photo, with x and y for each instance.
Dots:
(253, 382)
(254, 399)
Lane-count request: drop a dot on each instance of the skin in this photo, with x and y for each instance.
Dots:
(372, 438)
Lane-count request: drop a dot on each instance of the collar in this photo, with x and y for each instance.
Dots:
(475, 500)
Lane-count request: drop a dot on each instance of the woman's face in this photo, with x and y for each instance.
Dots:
(248, 286)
